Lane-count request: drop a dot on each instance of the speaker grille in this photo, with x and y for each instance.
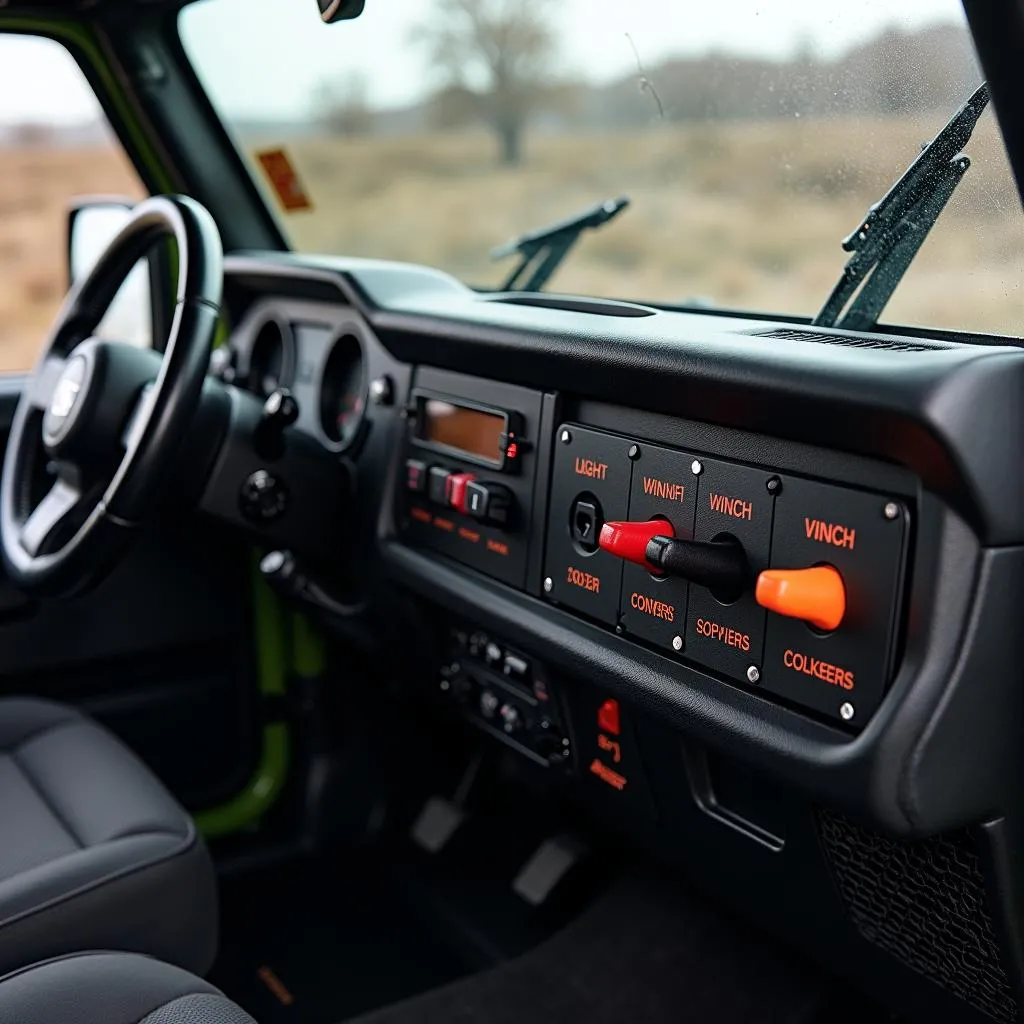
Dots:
(924, 903)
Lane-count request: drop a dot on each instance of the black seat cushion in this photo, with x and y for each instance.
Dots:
(94, 852)
(112, 988)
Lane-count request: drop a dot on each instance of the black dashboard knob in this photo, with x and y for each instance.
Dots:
(263, 497)
(280, 411)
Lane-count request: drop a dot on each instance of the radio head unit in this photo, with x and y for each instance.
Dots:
(474, 433)
(469, 471)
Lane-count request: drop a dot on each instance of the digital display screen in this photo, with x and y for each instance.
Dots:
(466, 430)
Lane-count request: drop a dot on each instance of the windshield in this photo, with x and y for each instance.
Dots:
(749, 137)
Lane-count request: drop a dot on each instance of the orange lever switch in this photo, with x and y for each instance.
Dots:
(816, 595)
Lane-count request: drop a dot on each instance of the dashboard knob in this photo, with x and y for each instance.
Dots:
(511, 719)
(263, 497)
(817, 595)
(280, 411)
(382, 390)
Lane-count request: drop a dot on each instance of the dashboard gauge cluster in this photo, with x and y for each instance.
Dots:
(271, 363)
(320, 358)
(342, 402)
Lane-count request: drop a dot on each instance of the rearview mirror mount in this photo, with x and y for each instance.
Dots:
(340, 10)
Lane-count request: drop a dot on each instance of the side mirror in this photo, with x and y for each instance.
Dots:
(133, 316)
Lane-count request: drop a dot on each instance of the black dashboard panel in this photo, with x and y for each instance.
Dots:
(699, 718)
(926, 423)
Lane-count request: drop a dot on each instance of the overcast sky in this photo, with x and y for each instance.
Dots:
(266, 58)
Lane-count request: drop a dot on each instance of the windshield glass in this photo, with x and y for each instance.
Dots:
(750, 138)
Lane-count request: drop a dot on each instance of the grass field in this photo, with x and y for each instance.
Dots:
(36, 183)
(749, 215)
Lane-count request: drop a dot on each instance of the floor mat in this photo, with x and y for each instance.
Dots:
(314, 946)
(649, 951)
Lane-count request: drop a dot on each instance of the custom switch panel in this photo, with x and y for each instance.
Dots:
(766, 579)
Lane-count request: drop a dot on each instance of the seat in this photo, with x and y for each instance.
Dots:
(112, 988)
(94, 852)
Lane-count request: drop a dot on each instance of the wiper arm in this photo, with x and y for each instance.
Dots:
(885, 243)
(545, 248)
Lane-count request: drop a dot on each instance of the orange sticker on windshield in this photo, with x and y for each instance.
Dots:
(282, 175)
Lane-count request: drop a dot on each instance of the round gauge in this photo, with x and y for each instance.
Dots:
(343, 391)
(271, 358)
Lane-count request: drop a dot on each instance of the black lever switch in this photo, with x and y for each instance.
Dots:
(719, 565)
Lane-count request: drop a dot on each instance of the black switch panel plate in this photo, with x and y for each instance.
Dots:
(664, 487)
(590, 476)
(728, 635)
(842, 674)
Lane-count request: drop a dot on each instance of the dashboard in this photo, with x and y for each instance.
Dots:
(746, 589)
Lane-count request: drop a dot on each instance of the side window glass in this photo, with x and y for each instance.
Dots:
(55, 146)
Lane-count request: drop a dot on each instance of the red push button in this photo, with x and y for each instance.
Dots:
(457, 497)
(629, 540)
(608, 717)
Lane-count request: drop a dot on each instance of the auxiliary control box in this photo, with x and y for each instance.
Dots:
(764, 578)
(467, 485)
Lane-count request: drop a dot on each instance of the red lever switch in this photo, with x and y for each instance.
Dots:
(629, 540)
(456, 487)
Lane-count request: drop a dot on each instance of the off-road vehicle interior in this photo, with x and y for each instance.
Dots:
(511, 512)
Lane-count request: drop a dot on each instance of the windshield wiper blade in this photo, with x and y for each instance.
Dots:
(885, 243)
(545, 248)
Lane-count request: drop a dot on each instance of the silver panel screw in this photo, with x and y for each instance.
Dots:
(677, 643)
(696, 467)
(565, 437)
(846, 711)
(891, 510)
(549, 584)
(753, 674)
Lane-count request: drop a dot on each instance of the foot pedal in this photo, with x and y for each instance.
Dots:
(436, 824)
(550, 863)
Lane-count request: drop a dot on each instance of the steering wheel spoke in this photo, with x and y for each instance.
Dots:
(39, 393)
(59, 505)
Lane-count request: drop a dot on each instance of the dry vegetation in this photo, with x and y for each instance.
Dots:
(36, 183)
(747, 214)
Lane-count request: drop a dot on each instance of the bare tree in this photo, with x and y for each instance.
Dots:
(343, 107)
(500, 54)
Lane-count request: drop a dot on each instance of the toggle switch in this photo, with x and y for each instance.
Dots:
(719, 565)
(455, 490)
(817, 595)
(629, 541)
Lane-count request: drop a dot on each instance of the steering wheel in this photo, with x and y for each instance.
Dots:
(99, 422)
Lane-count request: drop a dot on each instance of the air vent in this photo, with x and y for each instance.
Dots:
(882, 344)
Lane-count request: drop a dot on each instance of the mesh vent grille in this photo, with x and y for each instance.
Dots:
(886, 344)
(924, 903)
